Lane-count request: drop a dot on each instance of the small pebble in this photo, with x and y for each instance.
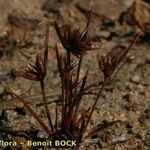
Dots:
(136, 79)
(141, 89)
(119, 138)
(92, 141)
(104, 34)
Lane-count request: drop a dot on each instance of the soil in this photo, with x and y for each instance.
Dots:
(114, 23)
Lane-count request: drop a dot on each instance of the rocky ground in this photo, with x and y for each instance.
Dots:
(114, 23)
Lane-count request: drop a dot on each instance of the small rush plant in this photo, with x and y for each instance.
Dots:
(73, 123)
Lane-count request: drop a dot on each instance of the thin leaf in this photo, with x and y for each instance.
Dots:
(33, 113)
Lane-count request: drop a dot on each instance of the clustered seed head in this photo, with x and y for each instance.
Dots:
(108, 64)
(63, 64)
(35, 72)
(75, 41)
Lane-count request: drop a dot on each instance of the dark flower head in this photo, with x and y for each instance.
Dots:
(108, 64)
(62, 63)
(35, 72)
(74, 41)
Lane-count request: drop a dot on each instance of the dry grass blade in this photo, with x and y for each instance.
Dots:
(59, 64)
(130, 46)
(75, 103)
(33, 113)
(56, 117)
(78, 73)
(46, 106)
(79, 96)
(42, 79)
(102, 126)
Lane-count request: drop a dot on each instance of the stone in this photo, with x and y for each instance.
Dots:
(136, 79)
(105, 8)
